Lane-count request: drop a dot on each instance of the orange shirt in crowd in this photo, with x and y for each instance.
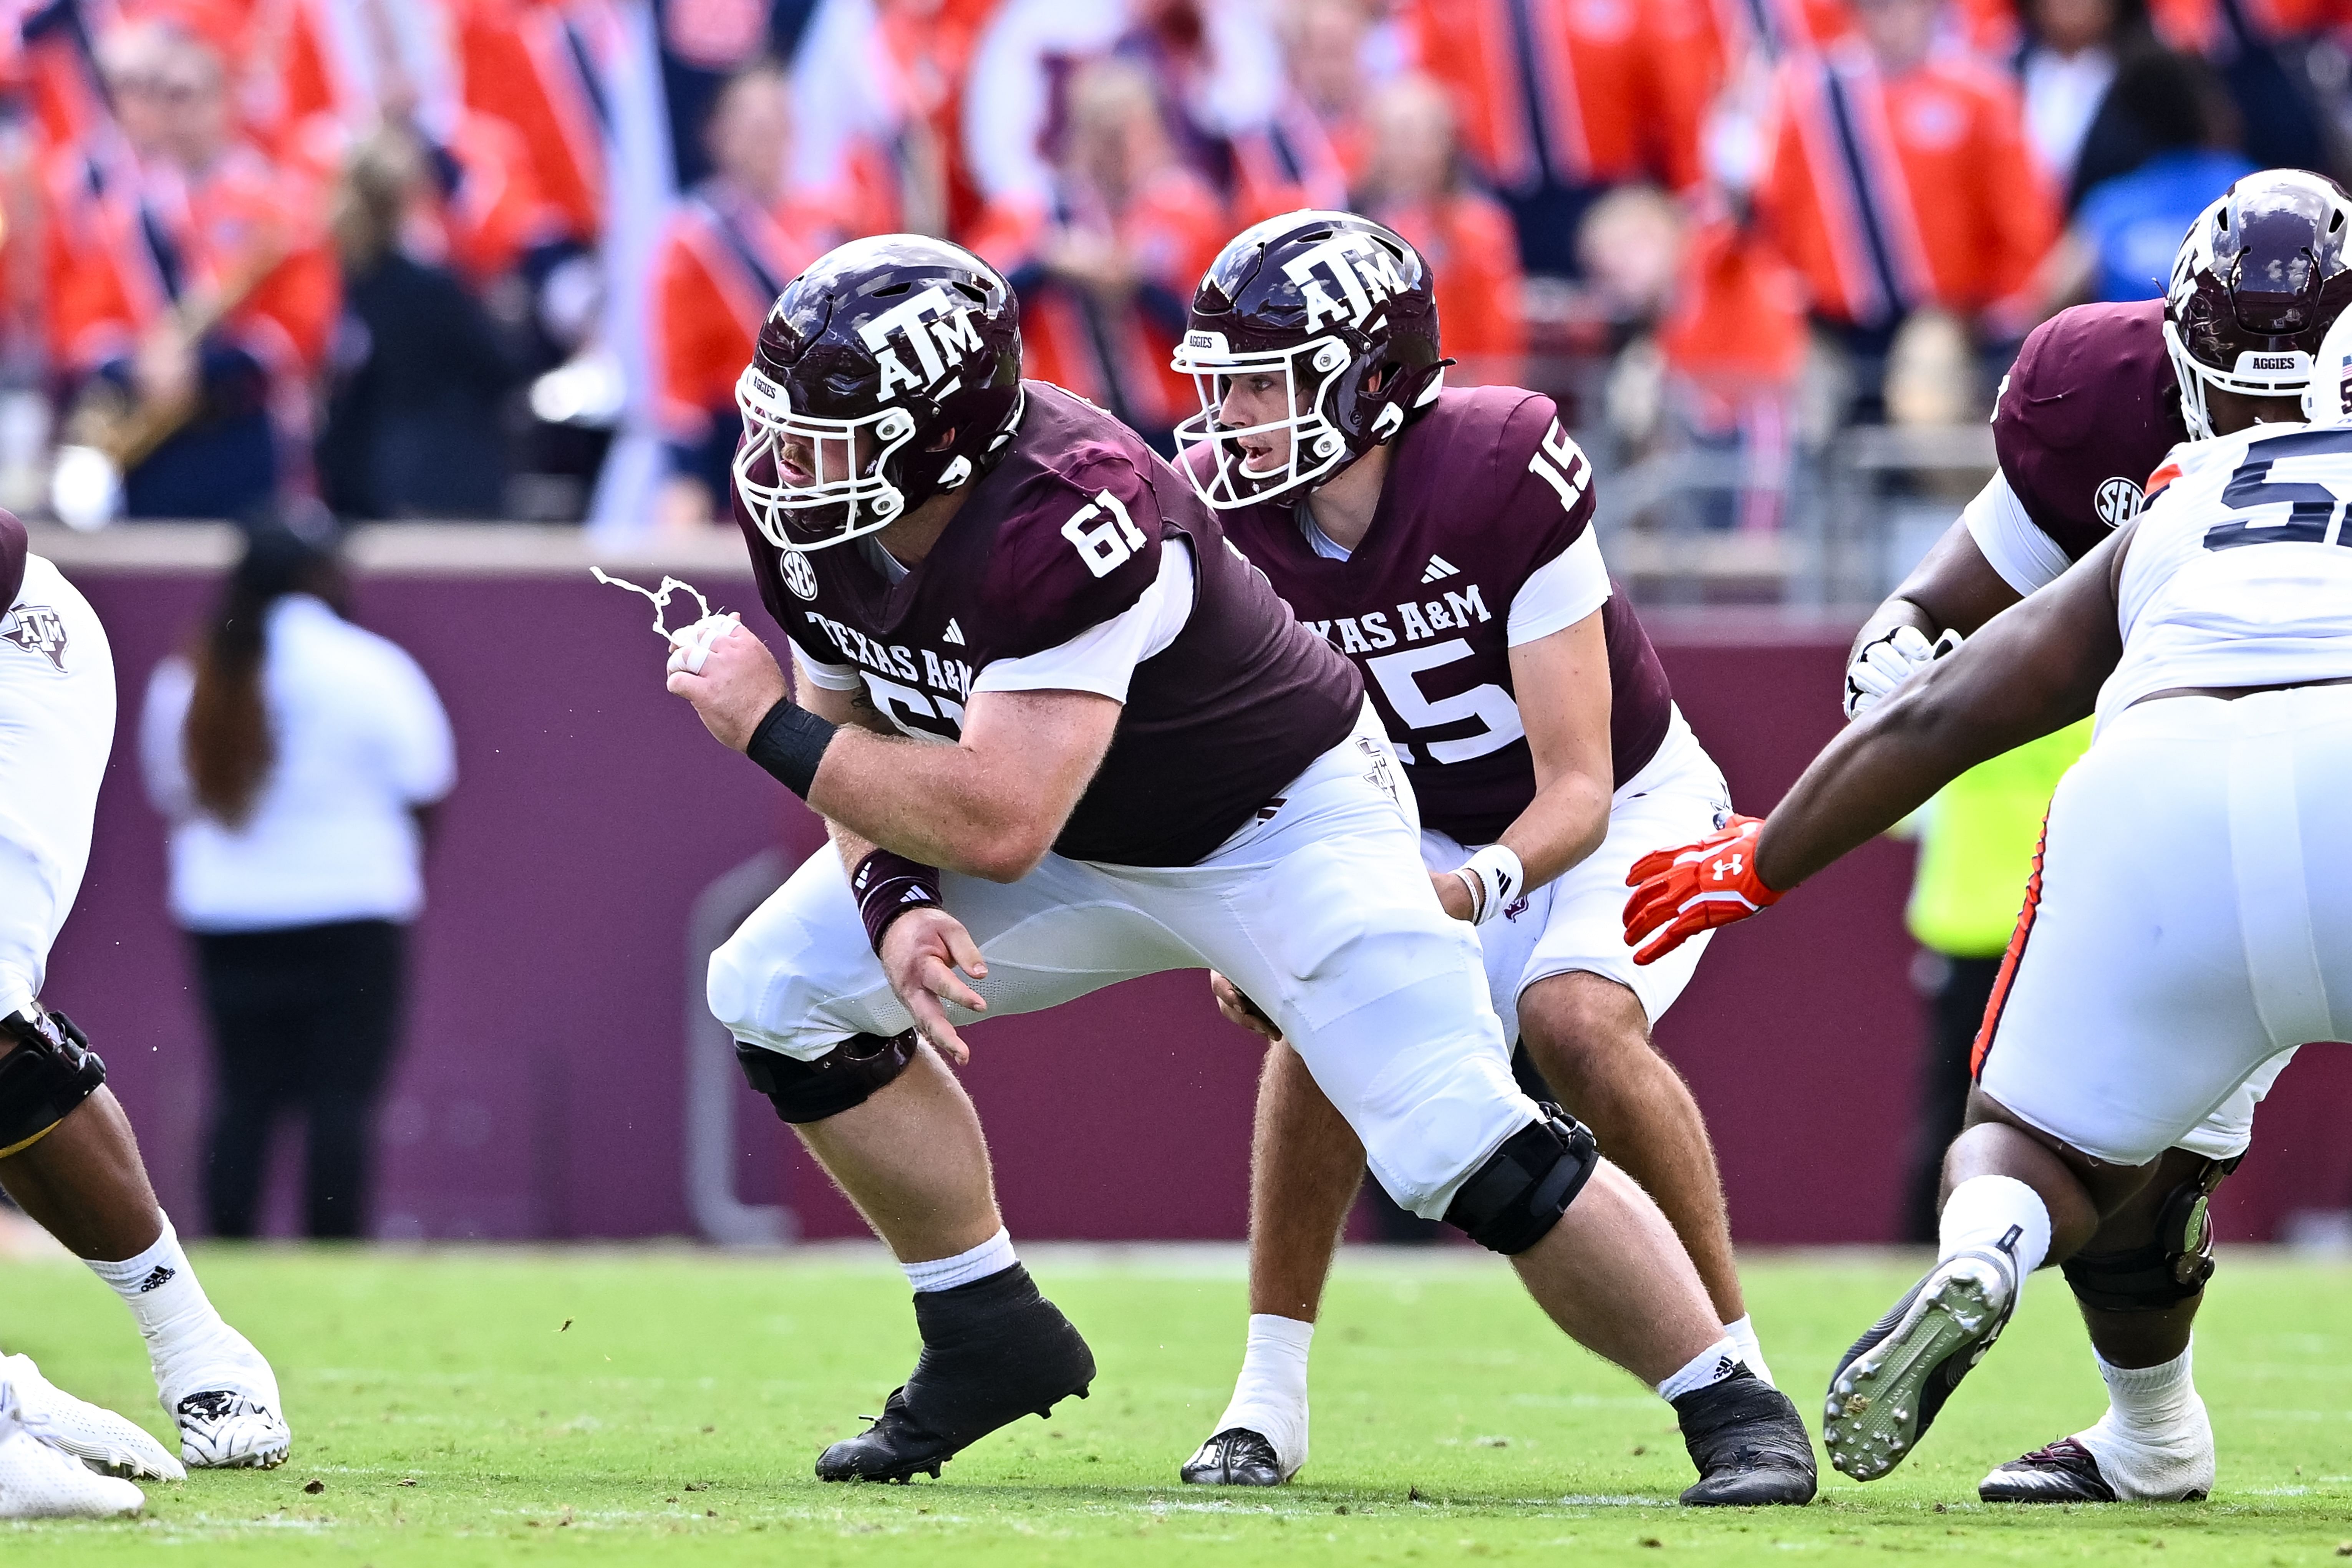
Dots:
(1889, 193)
(107, 283)
(721, 262)
(489, 208)
(1296, 159)
(1591, 70)
(1113, 353)
(1468, 242)
(521, 66)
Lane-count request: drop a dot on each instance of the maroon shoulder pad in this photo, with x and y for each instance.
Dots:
(2086, 415)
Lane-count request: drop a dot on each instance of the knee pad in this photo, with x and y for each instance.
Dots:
(1512, 1201)
(50, 1070)
(2170, 1268)
(844, 1078)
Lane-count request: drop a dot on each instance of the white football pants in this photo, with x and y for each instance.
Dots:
(2193, 925)
(57, 726)
(1320, 911)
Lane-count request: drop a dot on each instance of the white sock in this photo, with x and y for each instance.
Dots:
(993, 1256)
(160, 1288)
(1743, 1334)
(1704, 1370)
(1270, 1396)
(2148, 1401)
(1982, 1212)
(2155, 1440)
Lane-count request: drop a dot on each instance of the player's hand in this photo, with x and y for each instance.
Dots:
(1239, 1009)
(1695, 888)
(1885, 662)
(1453, 893)
(921, 952)
(738, 683)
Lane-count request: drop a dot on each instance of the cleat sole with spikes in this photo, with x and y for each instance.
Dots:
(1895, 1378)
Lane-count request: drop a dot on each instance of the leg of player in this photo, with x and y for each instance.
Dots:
(910, 1155)
(2138, 1282)
(84, 1182)
(2017, 1198)
(1305, 1169)
(1590, 1039)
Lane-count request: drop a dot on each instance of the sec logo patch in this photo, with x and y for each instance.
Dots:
(2119, 501)
(799, 576)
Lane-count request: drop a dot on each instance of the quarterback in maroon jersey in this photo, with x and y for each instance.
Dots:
(1063, 735)
(1443, 540)
(2098, 395)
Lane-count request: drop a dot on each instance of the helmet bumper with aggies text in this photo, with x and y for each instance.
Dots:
(2262, 274)
(886, 373)
(1340, 310)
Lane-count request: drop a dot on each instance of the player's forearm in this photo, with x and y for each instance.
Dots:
(1566, 822)
(940, 805)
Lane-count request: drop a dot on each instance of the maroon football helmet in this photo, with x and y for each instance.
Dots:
(1332, 303)
(887, 373)
(2264, 273)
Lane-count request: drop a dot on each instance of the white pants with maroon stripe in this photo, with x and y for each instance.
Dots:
(1320, 911)
(2193, 926)
(57, 726)
(1575, 923)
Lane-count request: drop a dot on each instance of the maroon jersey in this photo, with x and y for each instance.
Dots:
(1482, 490)
(1065, 534)
(2086, 415)
(14, 548)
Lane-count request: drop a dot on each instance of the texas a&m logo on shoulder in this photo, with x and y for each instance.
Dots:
(2118, 502)
(933, 324)
(1363, 270)
(37, 628)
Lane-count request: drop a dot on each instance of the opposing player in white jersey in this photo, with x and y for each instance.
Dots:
(67, 1156)
(2184, 926)
(2099, 396)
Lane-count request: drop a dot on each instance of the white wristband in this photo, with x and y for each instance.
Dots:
(1495, 879)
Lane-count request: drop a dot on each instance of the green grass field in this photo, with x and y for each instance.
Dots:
(444, 1412)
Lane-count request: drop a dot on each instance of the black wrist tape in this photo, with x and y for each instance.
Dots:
(789, 743)
(887, 887)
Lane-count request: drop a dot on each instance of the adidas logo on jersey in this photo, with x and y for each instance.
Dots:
(1439, 569)
(954, 633)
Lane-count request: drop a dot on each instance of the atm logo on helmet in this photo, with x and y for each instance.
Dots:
(934, 325)
(1364, 269)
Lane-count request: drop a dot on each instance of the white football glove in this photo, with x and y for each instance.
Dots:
(1886, 662)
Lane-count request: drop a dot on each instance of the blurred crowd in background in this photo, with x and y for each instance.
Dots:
(504, 259)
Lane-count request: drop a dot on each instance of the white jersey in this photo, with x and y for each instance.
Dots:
(2241, 573)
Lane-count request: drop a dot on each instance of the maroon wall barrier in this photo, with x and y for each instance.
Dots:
(541, 1093)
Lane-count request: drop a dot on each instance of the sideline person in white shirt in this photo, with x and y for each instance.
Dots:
(296, 756)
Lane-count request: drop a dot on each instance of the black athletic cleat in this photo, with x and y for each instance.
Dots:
(2065, 1471)
(993, 1351)
(1749, 1444)
(1235, 1456)
(1887, 1390)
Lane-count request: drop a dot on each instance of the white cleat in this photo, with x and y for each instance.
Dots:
(224, 1399)
(108, 1443)
(38, 1481)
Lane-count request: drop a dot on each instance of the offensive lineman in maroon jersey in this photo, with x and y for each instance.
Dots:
(2098, 395)
(1062, 735)
(1441, 539)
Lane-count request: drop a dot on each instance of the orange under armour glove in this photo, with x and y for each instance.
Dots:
(1695, 888)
